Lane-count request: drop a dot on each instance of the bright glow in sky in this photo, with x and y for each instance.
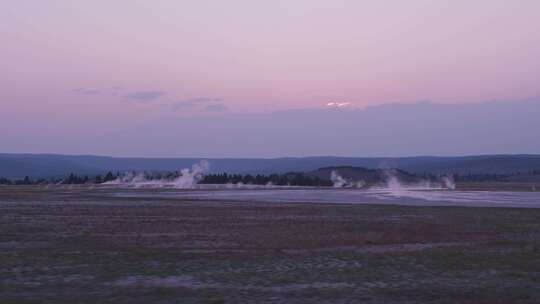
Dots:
(72, 63)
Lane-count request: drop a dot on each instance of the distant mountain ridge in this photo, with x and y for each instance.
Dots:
(54, 165)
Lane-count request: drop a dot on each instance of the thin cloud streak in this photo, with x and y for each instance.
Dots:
(218, 107)
(193, 102)
(82, 91)
(145, 96)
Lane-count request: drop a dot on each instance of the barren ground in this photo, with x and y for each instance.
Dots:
(83, 246)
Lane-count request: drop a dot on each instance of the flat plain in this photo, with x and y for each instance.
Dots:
(82, 245)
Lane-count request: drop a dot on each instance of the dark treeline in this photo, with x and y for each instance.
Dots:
(485, 177)
(491, 177)
(300, 179)
(481, 177)
(72, 179)
(469, 177)
(292, 179)
(25, 181)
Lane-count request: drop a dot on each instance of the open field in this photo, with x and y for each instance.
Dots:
(82, 245)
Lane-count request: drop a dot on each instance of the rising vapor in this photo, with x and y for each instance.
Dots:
(187, 179)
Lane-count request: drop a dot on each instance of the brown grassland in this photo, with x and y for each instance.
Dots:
(81, 245)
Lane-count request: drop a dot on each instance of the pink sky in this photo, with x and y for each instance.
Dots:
(213, 57)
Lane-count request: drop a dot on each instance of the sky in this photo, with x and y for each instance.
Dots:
(197, 78)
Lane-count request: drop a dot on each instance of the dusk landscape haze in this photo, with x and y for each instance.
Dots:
(301, 151)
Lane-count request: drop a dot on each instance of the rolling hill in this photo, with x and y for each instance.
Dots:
(368, 176)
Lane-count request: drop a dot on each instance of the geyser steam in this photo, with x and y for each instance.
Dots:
(448, 182)
(187, 179)
(340, 182)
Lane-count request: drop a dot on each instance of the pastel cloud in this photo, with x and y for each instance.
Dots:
(262, 57)
(217, 107)
(83, 91)
(145, 96)
(194, 102)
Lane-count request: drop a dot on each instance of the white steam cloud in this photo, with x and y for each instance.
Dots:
(340, 182)
(188, 178)
(448, 182)
(396, 188)
(393, 184)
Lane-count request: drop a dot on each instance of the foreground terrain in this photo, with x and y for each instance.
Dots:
(80, 245)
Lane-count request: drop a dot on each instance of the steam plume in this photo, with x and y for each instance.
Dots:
(340, 182)
(188, 178)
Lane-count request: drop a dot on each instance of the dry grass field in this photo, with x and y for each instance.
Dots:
(82, 245)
